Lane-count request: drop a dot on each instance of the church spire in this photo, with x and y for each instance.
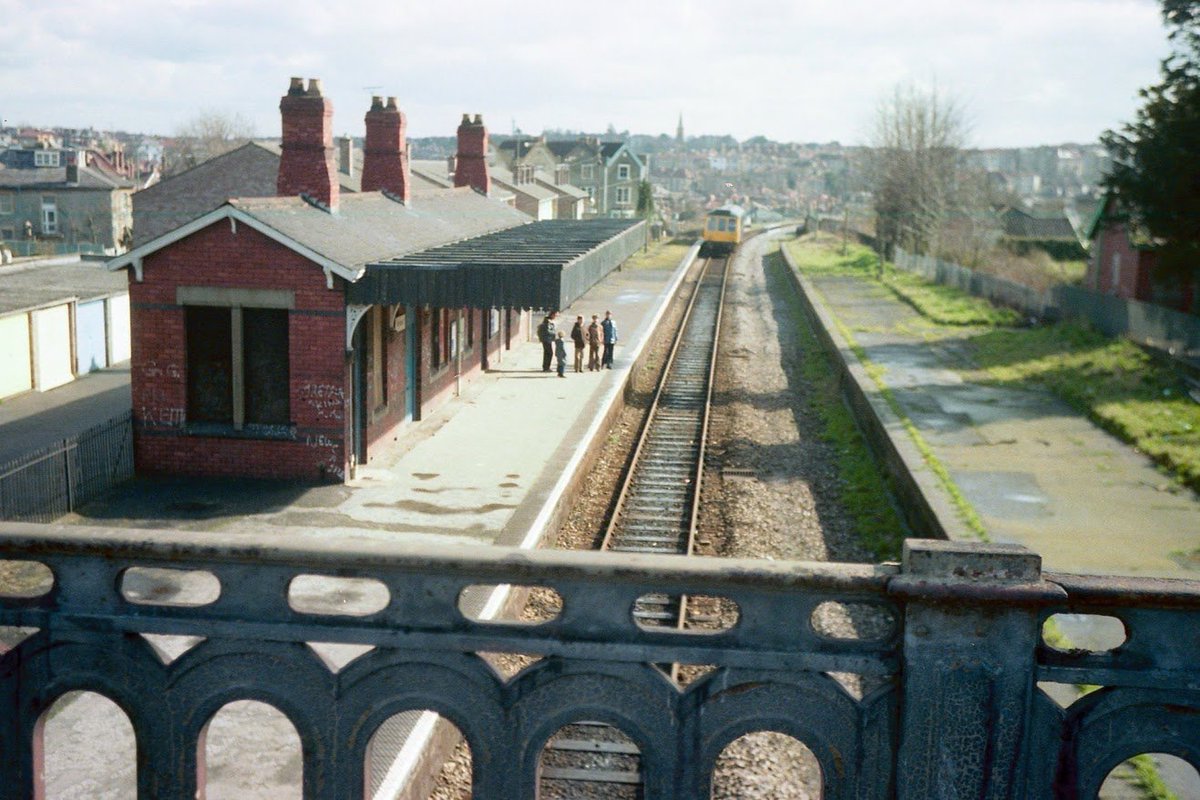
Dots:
(679, 129)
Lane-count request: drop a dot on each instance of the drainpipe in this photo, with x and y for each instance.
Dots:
(458, 357)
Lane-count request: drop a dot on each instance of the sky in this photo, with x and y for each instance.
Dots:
(1027, 71)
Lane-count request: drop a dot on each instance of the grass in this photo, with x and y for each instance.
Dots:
(1120, 387)
(865, 492)
(1113, 382)
(665, 254)
(815, 258)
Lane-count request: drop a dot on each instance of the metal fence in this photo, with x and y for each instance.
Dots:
(43, 485)
(951, 703)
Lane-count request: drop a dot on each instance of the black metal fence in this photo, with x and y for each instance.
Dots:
(44, 485)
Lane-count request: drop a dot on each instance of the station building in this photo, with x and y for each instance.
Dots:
(290, 336)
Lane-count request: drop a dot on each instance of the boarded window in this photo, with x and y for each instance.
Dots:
(435, 340)
(260, 365)
(265, 343)
(209, 364)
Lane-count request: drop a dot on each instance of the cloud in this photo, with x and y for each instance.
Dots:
(1031, 70)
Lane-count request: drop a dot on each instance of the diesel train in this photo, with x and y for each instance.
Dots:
(724, 228)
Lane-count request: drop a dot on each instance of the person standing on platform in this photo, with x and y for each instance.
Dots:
(577, 338)
(594, 337)
(546, 333)
(610, 339)
(560, 350)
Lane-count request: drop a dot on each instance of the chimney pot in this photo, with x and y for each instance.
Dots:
(479, 119)
(466, 120)
(391, 103)
(297, 86)
(376, 102)
(314, 87)
(472, 167)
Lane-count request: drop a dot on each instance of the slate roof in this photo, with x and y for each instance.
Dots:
(505, 177)
(610, 149)
(23, 288)
(569, 189)
(56, 178)
(1022, 225)
(370, 226)
(247, 171)
(432, 170)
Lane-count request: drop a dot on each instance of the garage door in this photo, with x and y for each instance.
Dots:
(51, 347)
(15, 376)
(91, 347)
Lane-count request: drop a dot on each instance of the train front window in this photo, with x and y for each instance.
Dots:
(712, 223)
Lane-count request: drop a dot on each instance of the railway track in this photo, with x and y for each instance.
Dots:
(655, 512)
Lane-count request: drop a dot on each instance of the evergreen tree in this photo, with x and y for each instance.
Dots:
(1156, 169)
(645, 201)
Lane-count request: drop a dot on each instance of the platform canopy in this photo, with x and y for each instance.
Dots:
(546, 264)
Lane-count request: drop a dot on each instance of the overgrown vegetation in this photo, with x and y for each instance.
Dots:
(864, 490)
(664, 254)
(1122, 388)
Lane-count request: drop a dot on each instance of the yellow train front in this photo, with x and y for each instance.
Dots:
(723, 230)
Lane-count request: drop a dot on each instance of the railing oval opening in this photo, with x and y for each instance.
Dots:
(400, 753)
(1092, 633)
(841, 621)
(159, 586)
(25, 579)
(343, 597)
(88, 749)
(250, 751)
(765, 765)
(510, 604)
(694, 614)
(590, 759)
(1152, 775)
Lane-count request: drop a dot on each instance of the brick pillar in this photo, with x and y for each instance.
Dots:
(970, 634)
(307, 165)
(385, 151)
(471, 168)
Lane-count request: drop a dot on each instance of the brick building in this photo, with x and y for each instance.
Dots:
(288, 336)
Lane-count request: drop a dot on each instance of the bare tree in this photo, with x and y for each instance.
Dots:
(915, 164)
(209, 133)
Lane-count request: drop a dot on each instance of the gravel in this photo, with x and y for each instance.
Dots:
(771, 490)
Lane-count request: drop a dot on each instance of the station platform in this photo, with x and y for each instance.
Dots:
(486, 468)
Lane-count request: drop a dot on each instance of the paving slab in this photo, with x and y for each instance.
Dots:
(1037, 472)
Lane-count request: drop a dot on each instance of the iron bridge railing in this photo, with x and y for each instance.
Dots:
(955, 710)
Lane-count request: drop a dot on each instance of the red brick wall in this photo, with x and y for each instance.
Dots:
(318, 374)
(386, 424)
(306, 164)
(1133, 272)
(471, 168)
(385, 150)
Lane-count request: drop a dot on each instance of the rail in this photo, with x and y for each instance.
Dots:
(956, 713)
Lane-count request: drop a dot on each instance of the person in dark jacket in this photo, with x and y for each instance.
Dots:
(545, 333)
(560, 350)
(577, 338)
(610, 339)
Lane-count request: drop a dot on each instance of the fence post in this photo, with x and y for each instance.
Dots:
(970, 633)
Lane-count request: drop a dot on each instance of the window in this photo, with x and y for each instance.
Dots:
(6, 203)
(237, 365)
(1114, 281)
(622, 172)
(712, 223)
(591, 190)
(49, 214)
(622, 195)
(377, 357)
(470, 328)
(586, 172)
(45, 158)
(493, 322)
(8, 234)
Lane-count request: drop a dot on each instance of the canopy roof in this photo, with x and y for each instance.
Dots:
(546, 264)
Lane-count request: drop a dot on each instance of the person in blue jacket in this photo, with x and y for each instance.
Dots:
(560, 352)
(610, 338)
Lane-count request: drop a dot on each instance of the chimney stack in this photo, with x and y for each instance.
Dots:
(472, 167)
(385, 151)
(307, 164)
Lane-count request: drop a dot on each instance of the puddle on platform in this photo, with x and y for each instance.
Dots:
(424, 476)
(1005, 495)
(429, 508)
